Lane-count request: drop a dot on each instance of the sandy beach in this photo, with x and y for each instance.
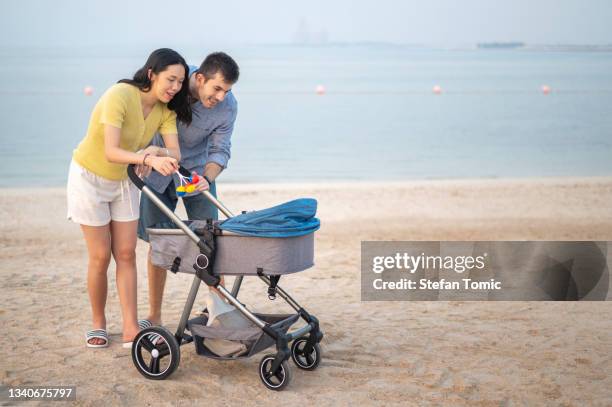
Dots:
(375, 353)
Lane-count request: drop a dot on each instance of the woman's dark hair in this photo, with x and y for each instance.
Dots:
(157, 62)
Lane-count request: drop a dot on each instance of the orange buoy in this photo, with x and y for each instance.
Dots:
(545, 89)
(320, 90)
(88, 90)
(437, 89)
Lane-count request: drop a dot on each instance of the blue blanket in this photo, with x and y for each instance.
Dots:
(293, 218)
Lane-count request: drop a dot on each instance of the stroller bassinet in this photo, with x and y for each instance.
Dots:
(172, 250)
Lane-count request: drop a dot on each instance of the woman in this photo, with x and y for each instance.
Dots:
(100, 197)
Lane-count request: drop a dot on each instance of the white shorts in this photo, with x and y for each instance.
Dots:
(95, 200)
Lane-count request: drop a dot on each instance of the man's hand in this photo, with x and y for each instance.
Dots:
(202, 184)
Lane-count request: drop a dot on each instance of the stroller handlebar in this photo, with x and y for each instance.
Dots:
(136, 180)
(140, 184)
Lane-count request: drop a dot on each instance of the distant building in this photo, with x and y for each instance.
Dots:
(304, 36)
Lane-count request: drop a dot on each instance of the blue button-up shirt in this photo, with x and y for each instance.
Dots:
(206, 139)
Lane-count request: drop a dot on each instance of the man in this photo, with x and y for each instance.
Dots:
(205, 149)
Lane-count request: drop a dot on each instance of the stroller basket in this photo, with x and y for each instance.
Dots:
(172, 250)
(253, 337)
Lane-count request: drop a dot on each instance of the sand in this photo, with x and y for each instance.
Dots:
(382, 353)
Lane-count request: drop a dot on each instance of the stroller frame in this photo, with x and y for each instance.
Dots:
(273, 330)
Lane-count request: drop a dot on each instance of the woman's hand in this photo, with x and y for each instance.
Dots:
(142, 170)
(163, 165)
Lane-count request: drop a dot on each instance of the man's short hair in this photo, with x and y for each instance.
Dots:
(220, 62)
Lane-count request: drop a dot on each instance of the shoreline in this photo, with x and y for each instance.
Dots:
(383, 183)
(510, 209)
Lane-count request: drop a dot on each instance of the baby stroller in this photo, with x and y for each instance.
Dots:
(207, 251)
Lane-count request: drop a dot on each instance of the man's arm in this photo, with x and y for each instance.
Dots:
(218, 151)
(212, 170)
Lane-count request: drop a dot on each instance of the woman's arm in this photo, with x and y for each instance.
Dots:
(172, 148)
(115, 154)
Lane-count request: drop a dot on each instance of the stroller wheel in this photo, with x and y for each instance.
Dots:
(155, 353)
(305, 360)
(274, 380)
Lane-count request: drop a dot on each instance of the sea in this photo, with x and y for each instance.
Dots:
(344, 112)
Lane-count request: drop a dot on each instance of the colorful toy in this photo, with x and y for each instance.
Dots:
(188, 184)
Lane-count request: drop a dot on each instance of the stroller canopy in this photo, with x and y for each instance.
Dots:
(291, 219)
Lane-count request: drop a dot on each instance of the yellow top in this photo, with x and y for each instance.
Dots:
(121, 107)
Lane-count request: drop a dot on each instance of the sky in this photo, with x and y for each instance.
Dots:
(68, 23)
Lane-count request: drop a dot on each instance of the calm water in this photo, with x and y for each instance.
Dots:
(379, 119)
